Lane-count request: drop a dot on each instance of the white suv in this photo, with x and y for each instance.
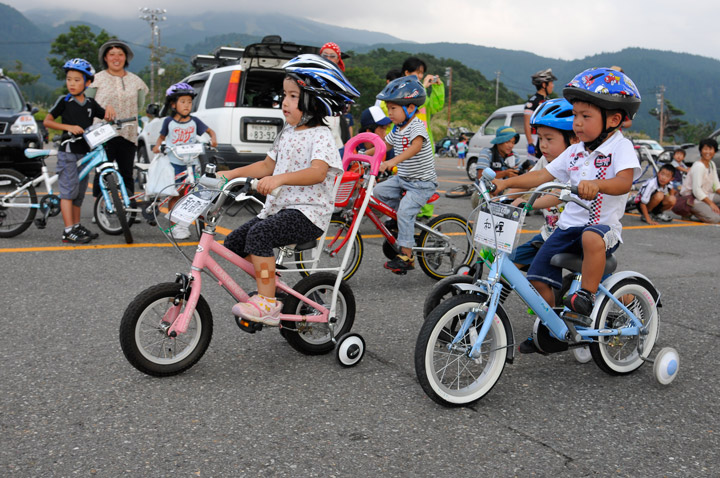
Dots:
(507, 116)
(237, 97)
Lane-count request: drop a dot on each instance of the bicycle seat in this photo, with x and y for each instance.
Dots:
(36, 153)
(573, 262)
(306, 245)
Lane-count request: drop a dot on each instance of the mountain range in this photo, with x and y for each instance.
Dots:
(688, 80)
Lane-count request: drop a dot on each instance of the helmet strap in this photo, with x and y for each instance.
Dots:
(408, 115)
(594, 144)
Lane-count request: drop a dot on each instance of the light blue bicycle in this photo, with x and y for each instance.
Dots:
(464, 343)
(19, 203)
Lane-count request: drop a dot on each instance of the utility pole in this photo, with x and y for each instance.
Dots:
(661, 110)
(497, 86)
(448, 75)
(153, 16)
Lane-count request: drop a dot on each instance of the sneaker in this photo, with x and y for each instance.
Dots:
(581, 302)
(180, 232)
(257, 309)
(87, 232)
(401, 264)
(663, 217)
(528, 346)
(75, 236)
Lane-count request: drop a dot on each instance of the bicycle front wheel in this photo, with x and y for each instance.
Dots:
(457, 248)
(446, 372)
(15, 220)
(336, 233)
(116, 222)
(623, 354)
(143, 332)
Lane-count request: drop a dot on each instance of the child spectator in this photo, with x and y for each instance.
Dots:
(415, 162)
(543, 81)
(77, 112)
(305, 162)
(678, 162)
(656, 196)
(602, 166)
(461, 151)
(179, 127)
(499, 157)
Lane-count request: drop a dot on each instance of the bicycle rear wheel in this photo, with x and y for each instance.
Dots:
(336, 233)
(118, 221)
(462, 191)
(445, 371)
(15, 220)
(457, 249)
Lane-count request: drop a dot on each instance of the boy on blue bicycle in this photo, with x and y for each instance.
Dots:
(602, 166)
(77, 111)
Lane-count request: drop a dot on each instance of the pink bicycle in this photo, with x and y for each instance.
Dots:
(167, 328)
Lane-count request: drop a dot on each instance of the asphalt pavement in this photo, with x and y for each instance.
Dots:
(253, 406)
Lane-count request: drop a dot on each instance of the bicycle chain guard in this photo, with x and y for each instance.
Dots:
(51, 204)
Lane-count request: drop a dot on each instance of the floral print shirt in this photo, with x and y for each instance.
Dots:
(122, 93)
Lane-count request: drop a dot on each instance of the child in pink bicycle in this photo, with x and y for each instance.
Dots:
(304, 163)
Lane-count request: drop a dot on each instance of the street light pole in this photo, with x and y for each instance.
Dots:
(153, 16)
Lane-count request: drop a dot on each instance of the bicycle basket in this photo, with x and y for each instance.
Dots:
(348, 184)
(497, 226)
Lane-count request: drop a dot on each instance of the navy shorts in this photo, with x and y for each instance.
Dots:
(566, 240)
(71, 187)
(525, 253)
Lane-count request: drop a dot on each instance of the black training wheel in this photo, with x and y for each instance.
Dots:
(350, 349)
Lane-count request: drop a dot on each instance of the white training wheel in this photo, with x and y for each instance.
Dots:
(350, 349)
(582, 354)
(666, 365)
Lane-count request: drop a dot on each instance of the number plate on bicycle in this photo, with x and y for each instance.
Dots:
(99, 135)
(196, 148)
(192, 206)
(498, 226)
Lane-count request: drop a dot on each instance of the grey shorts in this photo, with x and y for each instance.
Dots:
(68, 182)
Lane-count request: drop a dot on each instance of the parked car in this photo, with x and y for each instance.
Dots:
(507, 116)
(653, 146)
(18, 129)
(238, 91)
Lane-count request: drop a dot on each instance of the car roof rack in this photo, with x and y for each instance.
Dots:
(221, 56)
(271, 46)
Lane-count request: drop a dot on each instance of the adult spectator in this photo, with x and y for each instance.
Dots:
(700, 191)
(543, 82)
(120, 93)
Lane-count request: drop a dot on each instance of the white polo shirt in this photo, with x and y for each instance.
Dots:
(575, 165)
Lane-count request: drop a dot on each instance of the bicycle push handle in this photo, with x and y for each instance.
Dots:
(374, 160)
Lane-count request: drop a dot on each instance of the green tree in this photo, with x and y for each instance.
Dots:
(672, 124)
(21, 77)
(79, 42)
(694, 132)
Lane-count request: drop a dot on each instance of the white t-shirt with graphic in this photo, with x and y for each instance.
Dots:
(575, 164)
(293, 151)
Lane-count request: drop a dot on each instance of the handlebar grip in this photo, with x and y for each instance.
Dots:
(274, 192)
(211, 183)
(124, 120)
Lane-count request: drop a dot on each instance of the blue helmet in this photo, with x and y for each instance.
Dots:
(556, 113)
(177, 90)
(403, 91)
(605, 88)
(83, 66)
(321, 79)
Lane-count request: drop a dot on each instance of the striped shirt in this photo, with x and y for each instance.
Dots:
(422, 165)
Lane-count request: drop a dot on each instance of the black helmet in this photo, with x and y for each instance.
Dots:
(114, 43)
(543, 76)
(403, 91)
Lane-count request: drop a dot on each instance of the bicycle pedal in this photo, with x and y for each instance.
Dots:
(248, 326)
(576, 318)
(40, 223)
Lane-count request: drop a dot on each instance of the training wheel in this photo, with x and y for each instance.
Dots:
(666, 365)
(582, 354)
(350, 349)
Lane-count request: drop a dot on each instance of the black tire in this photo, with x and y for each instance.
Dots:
(444, 290)
(315, 338)
(446, 373)
(116, 198)
(15, 220)
(142, 158)
(462, 191)
(439, 265)
(161, 355)
(620, 355)
(109, 222)
(337, 230)
(471, 169)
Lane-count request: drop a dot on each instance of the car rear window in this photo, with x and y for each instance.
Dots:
(518, 122)
(261, 86)
(218, 89)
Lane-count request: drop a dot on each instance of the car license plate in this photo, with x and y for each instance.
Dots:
(261, 132)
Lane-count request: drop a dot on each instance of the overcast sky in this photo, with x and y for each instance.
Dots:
(554, 28)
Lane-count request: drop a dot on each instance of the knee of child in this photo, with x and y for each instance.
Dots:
(592, 243)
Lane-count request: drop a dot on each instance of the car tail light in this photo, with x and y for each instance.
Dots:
(232, 89)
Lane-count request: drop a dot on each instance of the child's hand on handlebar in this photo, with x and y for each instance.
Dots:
(588, 190)
(267, 184)
(75, 129)
(110, 113)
